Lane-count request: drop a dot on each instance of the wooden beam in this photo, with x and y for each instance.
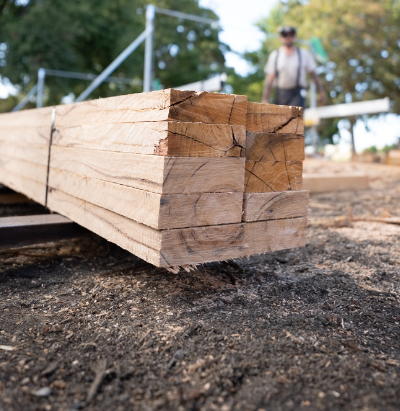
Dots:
(187, 106)
(274, 147)
(272, 118)
(275, 206)
(37, 229)
(162, 175)
(162, 138)
(319, 183)
(157, 211)
(268, 176)
(274, 235)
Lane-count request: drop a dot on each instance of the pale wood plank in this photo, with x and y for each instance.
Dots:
(37, 117)
(164, 138)
(274, 235)
(33, 171)
(171, 247)
(274, 147)
(187, 106)
(162, 175)
(271, 118)
(275, 206)
(268, 176)
(35, 153)
(30, 188)
(157, 211)
(319, 183)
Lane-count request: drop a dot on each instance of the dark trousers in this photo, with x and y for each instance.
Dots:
(290, 97)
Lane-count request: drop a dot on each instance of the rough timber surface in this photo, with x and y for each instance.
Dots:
(271, 118)
(161, 248)
(187, 106)
(274, 206)
(269, 176)
(274, 147)
(157, 211)
(162, 175)
(163, 138)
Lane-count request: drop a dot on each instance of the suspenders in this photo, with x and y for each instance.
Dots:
(298, 68)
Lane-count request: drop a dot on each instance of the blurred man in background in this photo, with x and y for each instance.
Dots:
(287, 67)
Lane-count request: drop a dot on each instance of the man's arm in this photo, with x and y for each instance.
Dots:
(320, 88)
(269, 82)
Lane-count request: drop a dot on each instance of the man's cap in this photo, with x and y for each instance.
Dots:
(287, 29)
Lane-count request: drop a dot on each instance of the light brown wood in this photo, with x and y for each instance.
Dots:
(271, 118)
(162, 175)
(274, 147)
(37, 117)
(171, 247)
(35, 153)
(274, 206)
(268, 176)
(187, 106)
(33, 171)
(157, 211)
(274, 235)
(19, 183)
(324, 182)
(164, 138)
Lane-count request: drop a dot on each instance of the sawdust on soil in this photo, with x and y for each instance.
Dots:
(86, 325)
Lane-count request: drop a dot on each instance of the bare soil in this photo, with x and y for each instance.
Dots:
(86, 325)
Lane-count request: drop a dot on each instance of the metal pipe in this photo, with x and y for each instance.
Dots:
(90, 76)
(148, 54)
(116, 63)
(40, 87)
(185, 16)
(25, 100)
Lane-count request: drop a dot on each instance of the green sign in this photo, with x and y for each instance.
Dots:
(318, 50)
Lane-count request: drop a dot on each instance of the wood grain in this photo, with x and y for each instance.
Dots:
(325, 182)
(269, 176)
(275, 206)
(274, 235)
(163, 138)
(187, 106)
(272, 118)
(157, 211)
(37, 117)
(274, 147)
(162, 175)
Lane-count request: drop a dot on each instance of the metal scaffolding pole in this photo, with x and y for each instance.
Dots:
(148, 54)
(40, 87)
(116, 63)
(25, 100)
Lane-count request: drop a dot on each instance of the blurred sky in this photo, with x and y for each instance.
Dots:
(238, 18)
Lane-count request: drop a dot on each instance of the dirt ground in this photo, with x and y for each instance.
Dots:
(86, 325)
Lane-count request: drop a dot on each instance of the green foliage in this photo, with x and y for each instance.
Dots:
(87, 35)
(361, 39)
(371, 149)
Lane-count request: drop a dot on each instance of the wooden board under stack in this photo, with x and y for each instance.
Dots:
(171, 176)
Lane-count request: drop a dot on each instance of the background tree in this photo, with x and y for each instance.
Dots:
(86, 36)
(361, 38)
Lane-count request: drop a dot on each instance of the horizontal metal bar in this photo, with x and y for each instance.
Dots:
(90, 76)
(37, 229)
(185, 16)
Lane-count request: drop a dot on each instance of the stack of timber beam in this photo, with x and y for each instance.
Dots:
(273, 195)
(161, 174)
